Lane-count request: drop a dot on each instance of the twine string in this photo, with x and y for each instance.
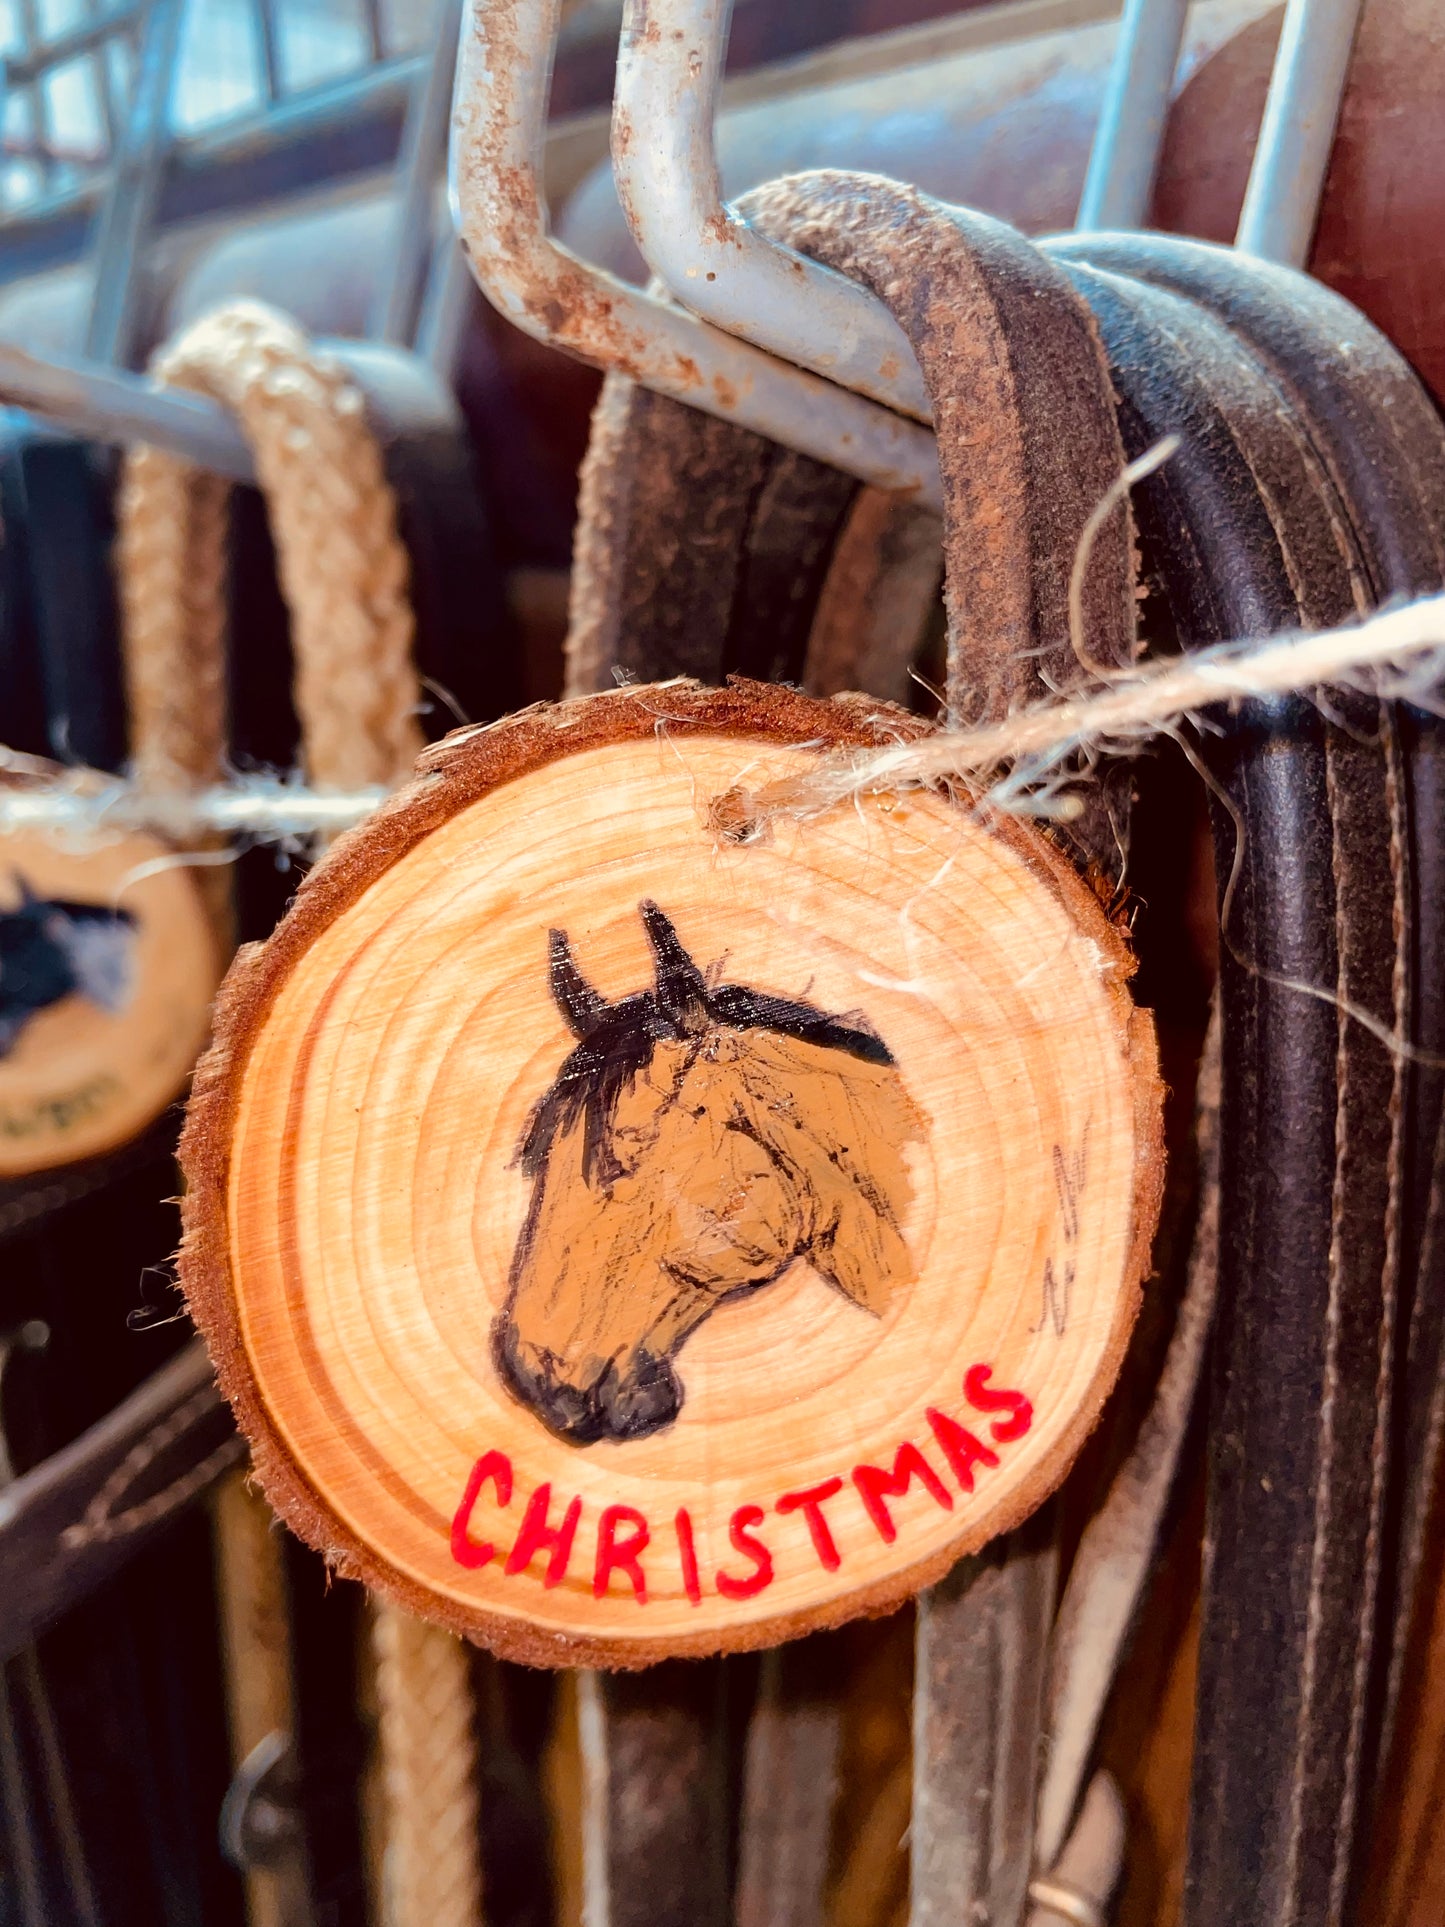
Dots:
(1022, 765)
(1018, 764)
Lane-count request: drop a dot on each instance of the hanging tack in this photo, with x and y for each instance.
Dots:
(344, 573)
(343, 568)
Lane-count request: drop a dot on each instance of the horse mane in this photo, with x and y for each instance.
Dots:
(619, 1047)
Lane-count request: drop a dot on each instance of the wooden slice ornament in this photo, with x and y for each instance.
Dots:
(618, 1241)
(108, 963)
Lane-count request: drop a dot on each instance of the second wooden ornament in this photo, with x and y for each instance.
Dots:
(108, 962)
(620, 1242)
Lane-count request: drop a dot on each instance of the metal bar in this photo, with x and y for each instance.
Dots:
(375, 39)
(39, 105)
(1124, 159)
(113, 406)
(270, 39)
(669, 73)
(326, 133)
(1292, 156)
(129, 208)
(83, 38)
(547, 291)
(401, 289)
(446, 311)
(103, 79)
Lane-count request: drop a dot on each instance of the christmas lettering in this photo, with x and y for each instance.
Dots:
(624, 1541)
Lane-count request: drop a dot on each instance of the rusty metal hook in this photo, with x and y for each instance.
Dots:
(503, 74)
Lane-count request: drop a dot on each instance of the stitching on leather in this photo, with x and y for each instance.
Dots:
(101, 1523)
(1319, 1547)
(1389, 1295)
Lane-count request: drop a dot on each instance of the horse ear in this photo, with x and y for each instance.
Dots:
(681, 992)
(27, 895)
(578, 1002)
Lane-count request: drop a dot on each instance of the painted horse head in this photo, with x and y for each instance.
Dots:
(696, 1141)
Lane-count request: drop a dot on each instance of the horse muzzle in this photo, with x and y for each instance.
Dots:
(604, 1404)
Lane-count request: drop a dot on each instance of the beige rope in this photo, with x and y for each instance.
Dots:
(344, 574)
(342, 564)
(171, 562)
(432, 1874)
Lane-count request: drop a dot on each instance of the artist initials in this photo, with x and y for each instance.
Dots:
(1070, 1172)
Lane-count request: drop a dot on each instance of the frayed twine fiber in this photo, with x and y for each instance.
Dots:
(1024, 764)
(1021, 763)
(84, 803)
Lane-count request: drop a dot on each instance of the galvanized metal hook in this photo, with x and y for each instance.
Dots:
(664, 159)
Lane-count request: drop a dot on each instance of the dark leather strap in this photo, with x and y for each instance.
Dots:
(1027, 440)
(657, 1757)
(981, 1660)
(26, 1203)
(1028, 447)
(1301, 1440)
(790, 1783)
(1379, 436)
(73, 1522)
(672, 531)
